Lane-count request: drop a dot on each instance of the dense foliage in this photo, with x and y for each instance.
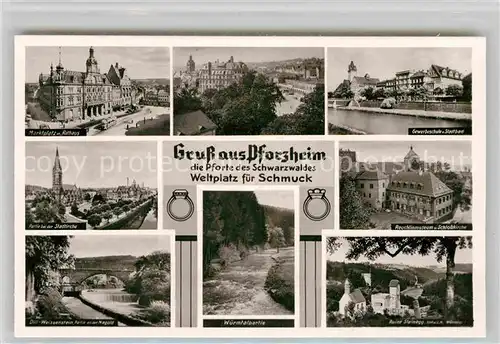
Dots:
(151, 283)
(248, 107)
(282, 218)
(280, 283)
(231, 218)
(354, 214)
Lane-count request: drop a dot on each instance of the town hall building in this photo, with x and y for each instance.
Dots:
(68, 95)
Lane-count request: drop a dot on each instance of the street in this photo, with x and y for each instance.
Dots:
(121, 127)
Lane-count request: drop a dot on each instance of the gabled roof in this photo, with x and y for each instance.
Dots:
(411, 153)
(417, 74)
(192, 123)
(357, 296)
(371, 175)
(430, 185)
(365, 80)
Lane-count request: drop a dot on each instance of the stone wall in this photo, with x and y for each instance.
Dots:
(459, 107)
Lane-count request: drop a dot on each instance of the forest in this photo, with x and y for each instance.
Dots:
(235, 221)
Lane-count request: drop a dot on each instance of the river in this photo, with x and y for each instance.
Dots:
(239, 288)
(82, 311)
(372, 123)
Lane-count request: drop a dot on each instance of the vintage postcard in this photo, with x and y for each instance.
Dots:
(265, 187)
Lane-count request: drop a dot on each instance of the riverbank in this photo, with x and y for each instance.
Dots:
(343, 130)
(416, 113)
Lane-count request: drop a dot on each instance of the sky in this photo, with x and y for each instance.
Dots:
(462, 256)
(92, 164)
(134, 245)
(140, 62)
(276, 198)
(429, 151)
(383, 63)
(247, 55)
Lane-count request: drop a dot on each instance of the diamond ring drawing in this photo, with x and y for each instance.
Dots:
(316, 205)
(180, 207)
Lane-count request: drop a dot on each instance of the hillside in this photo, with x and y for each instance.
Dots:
(381, 274)
(283, 218)
(109, 262)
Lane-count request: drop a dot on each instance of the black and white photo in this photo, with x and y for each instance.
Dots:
(248, 91)
(406, 185)
(88, 280)
(248, 253)
(91, 185)
(395, 90)
(111, 91)
(399, 281)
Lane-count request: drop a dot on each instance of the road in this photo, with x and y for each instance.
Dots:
(239, 289)
(82, 311)
(121, 127)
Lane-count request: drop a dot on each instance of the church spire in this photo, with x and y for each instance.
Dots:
(57, 162)
(59, 65)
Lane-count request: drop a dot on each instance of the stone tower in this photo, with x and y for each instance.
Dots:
(92, 65)
(190, 65)
(411, 159)
(57, 174)
(347, 287)
(352, 71)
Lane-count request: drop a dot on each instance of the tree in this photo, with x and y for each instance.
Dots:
(353, 213)
(107, 215)
(94, 220)
(467, 85)
(367, 92)
(344, 91)
(308, 119)
(438, 91)
(87, 197)
(454, 90)
(276, 238)
(46, 212)
(117, 211)
(187, 100)
(61, 209)
(44, 254)
(442, 247)
(380, 93)
(74, 209)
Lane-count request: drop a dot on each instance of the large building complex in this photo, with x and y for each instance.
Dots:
(435, 80)
(412, 191)
(218, 75)
(67, 95)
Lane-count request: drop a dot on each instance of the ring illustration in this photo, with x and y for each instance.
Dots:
(316, 205)
(180, 207)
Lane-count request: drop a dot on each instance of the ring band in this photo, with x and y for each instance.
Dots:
(316, 194)
(180, 195)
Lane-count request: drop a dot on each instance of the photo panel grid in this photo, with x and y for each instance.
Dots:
(248, 258)
(383, 281)
(76, 280)
(97, 90)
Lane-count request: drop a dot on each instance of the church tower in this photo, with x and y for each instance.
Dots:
(347, 287)
(57, 174)
(352, 71)
(411, 160)
(190, 65)
(92, 65)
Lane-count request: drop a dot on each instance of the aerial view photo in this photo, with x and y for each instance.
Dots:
(248, 91)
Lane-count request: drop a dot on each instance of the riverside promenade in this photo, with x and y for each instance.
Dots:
(460, 116)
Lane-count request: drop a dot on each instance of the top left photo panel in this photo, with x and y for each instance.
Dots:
(95, 90)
